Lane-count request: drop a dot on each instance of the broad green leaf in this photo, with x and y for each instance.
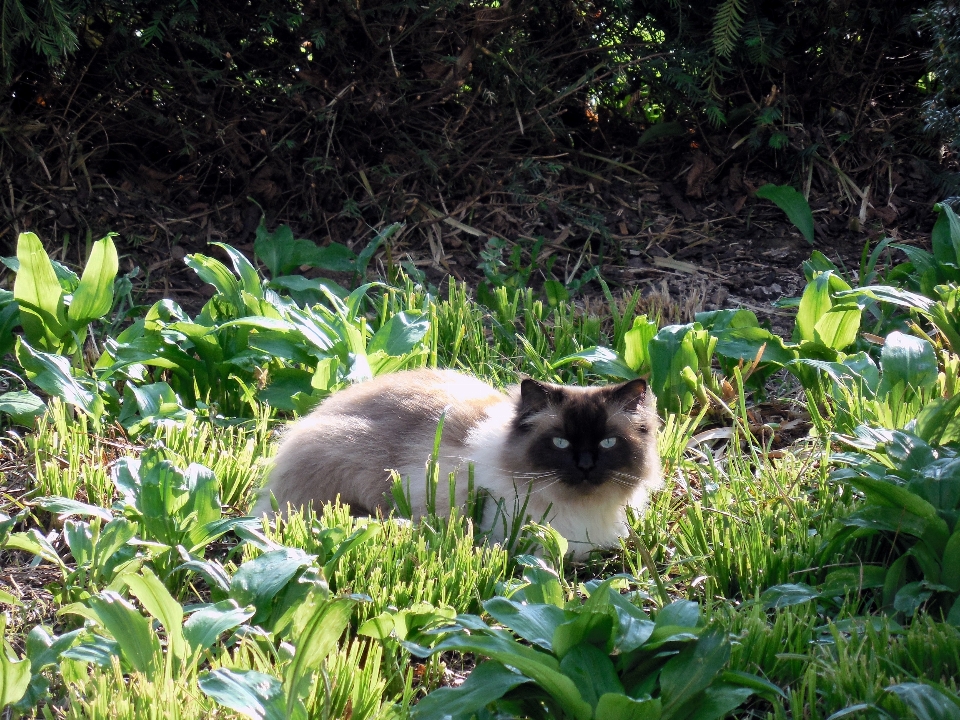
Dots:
(538, 666)
(946, 235)
(52, 373)
(895, 496)
(280, 252)
(245, 269)
(204, 627)
(307, 291)
(43, 649)
(93, 297)
(158, 601)
(754, 682)
(258, 581)
(317, 640)
(693, 669)
(22, 406)
(886, 293)
(115, 534)
(65, 507)
(366, 255)
(718, 700)
(556, 292)
(780, 596)
(889, 519)
(335, 257)
(939, 421)
(635, 627)
(488, 682)
(838, 328)
(32, 541)
(745, 343)
(215, 273)
(793, 204)
(400, 334)
(720, 321)
(14, 678)
(204, 493)
(908, 362)
(953, 616)
(910, 597)
(636, 343)
(98, 650)
(815, 303)
(39, 295)
(602, 361)
(592, 671)
(79, 539)
(679, 613)
(839, 583)
(927, 702)
(951, 562)
(138, 643)
(360, 536)
(587, 627)
(671, 350)
(616, 706)
(9, 320)
(286, 385)
(939, 484)
(535, 623)
(251, 693)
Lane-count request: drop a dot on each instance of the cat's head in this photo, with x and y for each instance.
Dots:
(588, 438)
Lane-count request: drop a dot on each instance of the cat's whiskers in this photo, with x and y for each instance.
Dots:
(466, 462)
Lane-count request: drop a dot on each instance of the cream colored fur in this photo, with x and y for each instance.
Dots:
(347, 446)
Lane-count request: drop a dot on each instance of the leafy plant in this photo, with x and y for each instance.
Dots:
(910, 480)
(268, 346)
(316, 628)
(793, 203)
(283, 254)
(177, 510)
(56, 308)
(604, 658)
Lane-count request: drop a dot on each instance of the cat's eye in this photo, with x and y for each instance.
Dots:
(608, 442)
(561, 443)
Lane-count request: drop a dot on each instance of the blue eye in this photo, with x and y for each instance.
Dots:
(561, 443)
(608, 443)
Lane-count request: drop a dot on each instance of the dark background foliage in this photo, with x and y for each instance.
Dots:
(324, 110)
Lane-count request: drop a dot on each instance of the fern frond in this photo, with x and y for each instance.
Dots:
(726, 26)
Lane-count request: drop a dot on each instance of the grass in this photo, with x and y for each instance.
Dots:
(729, 524)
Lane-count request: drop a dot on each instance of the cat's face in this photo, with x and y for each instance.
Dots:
(588, 437)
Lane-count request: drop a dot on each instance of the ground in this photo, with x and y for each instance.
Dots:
(691, 234)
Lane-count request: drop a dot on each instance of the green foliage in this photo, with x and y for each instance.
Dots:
(47, 27)
(14, 673)
(940, 20)
(48, 321)
(912, 493)
(185, 604)
(793, 203)
(604, 658)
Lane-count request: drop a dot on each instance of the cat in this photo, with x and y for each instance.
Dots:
(578, 456)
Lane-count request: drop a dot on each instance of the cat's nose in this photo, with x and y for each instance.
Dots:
(585, 461)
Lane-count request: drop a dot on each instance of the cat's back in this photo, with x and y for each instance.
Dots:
(346, 444)
(403, 403)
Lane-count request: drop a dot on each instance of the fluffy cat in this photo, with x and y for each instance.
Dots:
(582, 454)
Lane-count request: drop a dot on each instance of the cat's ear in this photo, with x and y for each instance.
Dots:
(631, 395)
(534, 396)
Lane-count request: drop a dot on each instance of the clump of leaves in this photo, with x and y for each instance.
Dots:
(910, 480)
(602, 658)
